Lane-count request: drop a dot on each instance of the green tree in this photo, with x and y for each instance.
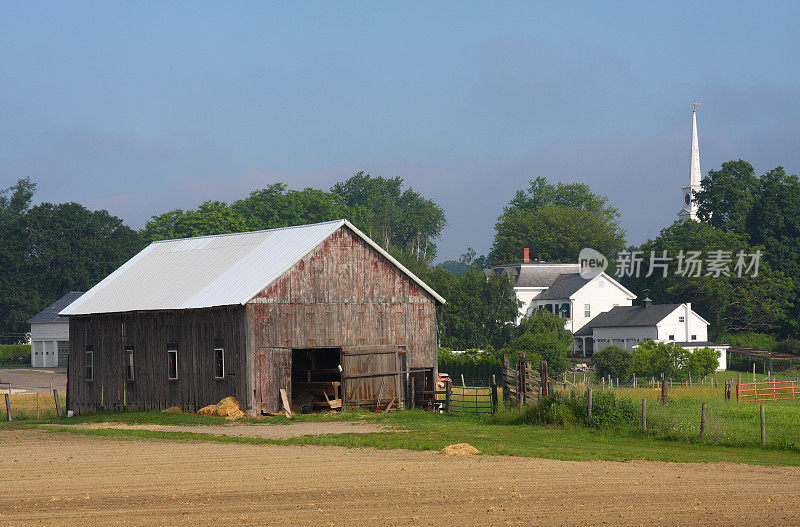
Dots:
(556, 222)
(651, 359)
(50, 249)
(703, 361)
(395, 217)
(727, 196)
(764, 210)
(578, 196)
(614, 361)
(480, 311)
(554, 233)
(542, 336)
(730, 303)
(268, 208)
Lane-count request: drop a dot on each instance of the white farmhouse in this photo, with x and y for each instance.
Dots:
(50, 334)
(560, 289)
(626, 326)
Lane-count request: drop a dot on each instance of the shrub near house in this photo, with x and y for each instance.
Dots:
(651, 359)
(15, 353)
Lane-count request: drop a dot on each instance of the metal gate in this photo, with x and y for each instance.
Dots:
(371, 377)
(272, 370)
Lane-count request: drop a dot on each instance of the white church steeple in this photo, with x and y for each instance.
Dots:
(689, 209)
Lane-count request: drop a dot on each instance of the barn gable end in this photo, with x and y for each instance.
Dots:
(345, 295)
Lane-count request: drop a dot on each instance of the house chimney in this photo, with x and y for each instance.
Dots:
(526, 255)
(647, 301)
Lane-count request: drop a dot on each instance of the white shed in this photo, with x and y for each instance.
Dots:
(50, 334)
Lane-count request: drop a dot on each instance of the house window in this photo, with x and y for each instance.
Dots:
(671, 337)
(172, 363)
(89, 363)
(129, 363)
(694, 337)
(587, 310)
(681, 319)
(219, 363)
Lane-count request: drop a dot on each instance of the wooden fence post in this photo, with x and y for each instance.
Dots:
(690, 379)
(8, 407)
(543, 375)
(702, 420)
(589, 406)
(412, 392)
(763, 428)
(522, 370)
(58, 403)
(644, 415)
(664, 390)
(494, 395)
(448, 389)
(506, 384)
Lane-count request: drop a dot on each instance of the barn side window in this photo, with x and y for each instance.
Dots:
(89, 363)
(172, 362)
(219, 363)
(129, 363)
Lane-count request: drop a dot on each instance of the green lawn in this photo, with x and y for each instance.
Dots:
(418, 430)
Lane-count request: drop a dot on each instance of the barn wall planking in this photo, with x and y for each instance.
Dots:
(194, 333)
(343, 294)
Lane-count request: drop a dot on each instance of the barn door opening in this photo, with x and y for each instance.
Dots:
(371, 377)
(272, 369)
(316, 378)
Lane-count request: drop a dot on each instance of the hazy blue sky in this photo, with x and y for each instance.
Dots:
(139, 108)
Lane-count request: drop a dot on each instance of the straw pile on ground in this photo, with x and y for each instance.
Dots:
(172, 410)
(228, 408)
(460, 449)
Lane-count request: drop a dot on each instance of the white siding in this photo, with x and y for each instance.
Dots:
(692, 324)
(601, 293)
(44, 342)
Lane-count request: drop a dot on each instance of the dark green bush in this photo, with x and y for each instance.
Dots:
(608, 411)
(15, 353)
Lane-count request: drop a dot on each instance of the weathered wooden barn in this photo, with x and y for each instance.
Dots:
(317, 310)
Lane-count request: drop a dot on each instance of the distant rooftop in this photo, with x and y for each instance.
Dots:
(534, 274)
(50, 313)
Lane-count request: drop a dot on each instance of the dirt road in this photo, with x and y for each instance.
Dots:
(66, 479)
(267, 431)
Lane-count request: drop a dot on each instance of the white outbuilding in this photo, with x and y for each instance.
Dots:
(627, 326)
(50, 334)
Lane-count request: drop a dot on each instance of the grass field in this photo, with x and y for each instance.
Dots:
(732, 430)
(28, 405)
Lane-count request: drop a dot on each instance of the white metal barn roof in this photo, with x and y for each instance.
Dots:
(209, 271)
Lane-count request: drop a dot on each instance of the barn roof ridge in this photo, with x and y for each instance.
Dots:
(213, 271)
(240, 233)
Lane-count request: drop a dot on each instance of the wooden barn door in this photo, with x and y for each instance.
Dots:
(272, 370)
(370, 376)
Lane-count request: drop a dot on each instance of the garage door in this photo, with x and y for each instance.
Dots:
(63, 353)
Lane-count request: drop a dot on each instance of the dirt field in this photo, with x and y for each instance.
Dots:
(65, 479)
(253, 430)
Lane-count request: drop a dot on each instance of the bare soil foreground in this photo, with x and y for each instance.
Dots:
(68, 479)
(303, 428)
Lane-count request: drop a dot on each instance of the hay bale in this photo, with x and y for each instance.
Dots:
(460, 449)
(172, 410)
(211, 409)
(229, 408)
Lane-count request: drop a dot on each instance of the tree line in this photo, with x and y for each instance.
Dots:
(49, 249)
